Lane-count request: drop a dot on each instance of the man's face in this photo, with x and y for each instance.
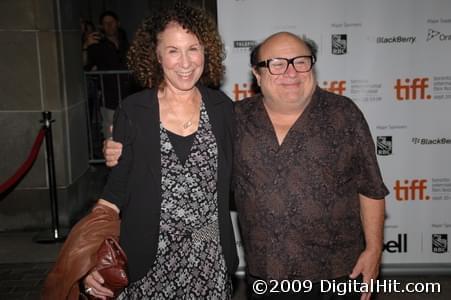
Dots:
(110, 25)
(290, 87)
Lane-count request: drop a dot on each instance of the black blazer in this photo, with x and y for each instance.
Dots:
(134, 185)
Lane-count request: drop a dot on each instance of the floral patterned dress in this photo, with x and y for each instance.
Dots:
(189, 262)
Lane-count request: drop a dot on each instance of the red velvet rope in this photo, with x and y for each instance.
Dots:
(23, 169)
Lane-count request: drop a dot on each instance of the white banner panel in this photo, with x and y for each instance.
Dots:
(393, 59)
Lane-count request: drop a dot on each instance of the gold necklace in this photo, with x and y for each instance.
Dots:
(188, 123)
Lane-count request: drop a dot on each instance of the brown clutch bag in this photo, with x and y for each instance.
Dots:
(112, 265)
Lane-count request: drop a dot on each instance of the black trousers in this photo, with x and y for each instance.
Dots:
(318, 291)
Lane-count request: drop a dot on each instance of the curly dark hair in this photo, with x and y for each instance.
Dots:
(142, 57)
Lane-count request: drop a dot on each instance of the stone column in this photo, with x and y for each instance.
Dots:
(41, 70)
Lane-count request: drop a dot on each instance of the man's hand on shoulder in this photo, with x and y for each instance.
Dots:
(112, 151)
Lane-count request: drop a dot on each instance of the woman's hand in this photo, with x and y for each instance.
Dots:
(93, 284)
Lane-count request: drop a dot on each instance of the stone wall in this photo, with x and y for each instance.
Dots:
(41, 70)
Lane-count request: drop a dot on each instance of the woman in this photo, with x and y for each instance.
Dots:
(171, 185)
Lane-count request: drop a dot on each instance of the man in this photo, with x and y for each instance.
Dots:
(107, 51)
(306, 179)
(308, 190)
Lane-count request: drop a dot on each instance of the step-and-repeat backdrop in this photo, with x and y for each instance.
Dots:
(393, 58)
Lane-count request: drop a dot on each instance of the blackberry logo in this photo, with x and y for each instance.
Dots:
(384, 145)
(339, 44)
(396, 39)
(439, 243)
(432, 34)
(431, 141)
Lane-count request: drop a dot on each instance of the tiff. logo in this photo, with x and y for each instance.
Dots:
(414, 189)
(405, 90)
(242, 92)
(335, 86)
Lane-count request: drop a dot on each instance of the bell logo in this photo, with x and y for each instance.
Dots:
(337, 87)
(244, 92)
(414, 189)
(398, 246)
(405, 90)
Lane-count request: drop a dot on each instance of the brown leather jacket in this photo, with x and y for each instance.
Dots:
(77, 256)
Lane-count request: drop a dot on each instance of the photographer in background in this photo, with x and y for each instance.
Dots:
(107, 47)
(106, 50)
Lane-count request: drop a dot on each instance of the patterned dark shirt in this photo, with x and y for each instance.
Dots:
(298, 203)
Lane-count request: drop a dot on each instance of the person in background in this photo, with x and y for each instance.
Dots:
(106, 50)
(171, 186)
(88, 31)
(107, 47)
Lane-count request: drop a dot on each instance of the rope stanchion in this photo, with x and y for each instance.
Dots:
(25, 167)
(55, 235)
(44, 132)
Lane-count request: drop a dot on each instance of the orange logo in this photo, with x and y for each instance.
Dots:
(414, 189)
(411, 91)
(242, 92)
(334, 86)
